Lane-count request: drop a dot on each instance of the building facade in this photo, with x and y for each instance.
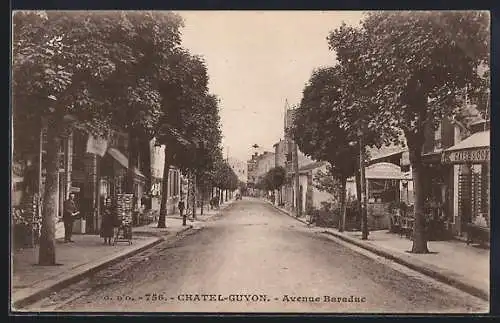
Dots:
(92, 169)
(239, 167)
(174, 180)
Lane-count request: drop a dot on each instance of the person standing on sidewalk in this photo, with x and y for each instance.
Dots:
(108, 222)
(69, 213)
(181, 206)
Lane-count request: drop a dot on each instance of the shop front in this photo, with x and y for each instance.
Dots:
(471, 159)
(383, 189)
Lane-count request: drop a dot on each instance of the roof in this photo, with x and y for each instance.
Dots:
(385, 151)
(384, 171)
(477, 140)
(313, 165)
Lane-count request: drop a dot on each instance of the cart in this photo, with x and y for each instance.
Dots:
(123, 233)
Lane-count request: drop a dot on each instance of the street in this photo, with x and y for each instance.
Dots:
(257, 259)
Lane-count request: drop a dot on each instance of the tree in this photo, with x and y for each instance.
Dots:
(414, 66)
(327, 123)
(326, 181)
(275, 177)
(182, 100)
(79, 70)
(224, 177)
(58, 68)
(134, 88)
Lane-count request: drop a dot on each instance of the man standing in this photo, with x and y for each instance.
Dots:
(69, 213)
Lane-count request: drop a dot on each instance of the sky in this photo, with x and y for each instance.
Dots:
(256, 60)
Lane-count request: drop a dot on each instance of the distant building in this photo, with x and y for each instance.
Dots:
(258, 166)
(239, 167)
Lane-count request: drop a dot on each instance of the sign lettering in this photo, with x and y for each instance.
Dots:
(479, 155)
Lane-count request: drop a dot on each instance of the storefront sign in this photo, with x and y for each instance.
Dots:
(97, 146)
(473, 156)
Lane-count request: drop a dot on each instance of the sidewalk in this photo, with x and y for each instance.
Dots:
(302, 218)
(86, 255)
(452, 262)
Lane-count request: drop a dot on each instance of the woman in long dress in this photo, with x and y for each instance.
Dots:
(108, 222)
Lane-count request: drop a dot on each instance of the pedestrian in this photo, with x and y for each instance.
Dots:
(108, 222)
(181, 207)
(69, 213)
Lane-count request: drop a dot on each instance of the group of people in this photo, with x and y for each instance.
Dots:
(108, 223)
(109, 219)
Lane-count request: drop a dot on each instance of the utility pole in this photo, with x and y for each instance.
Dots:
(297, 182)
(364, 216)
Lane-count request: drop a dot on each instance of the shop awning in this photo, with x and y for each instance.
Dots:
(385, 171)
(474, 149)
(122, 159)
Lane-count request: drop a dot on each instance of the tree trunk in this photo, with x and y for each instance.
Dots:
(343, 206)
(358, 197)
(202, 199)
(47, 252)
(164, 194)
(132, 162)
(221, 192)
(194, 195)
(147, 172)
(419, 237)
(226, 194)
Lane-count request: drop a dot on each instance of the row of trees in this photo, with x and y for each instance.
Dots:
(225, 179)
(398, 74)
(105, 71)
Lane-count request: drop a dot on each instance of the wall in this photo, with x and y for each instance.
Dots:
(280, 153)
(264, 164)
(157, 168)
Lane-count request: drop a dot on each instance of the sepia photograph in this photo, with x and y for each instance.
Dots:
(250, 162)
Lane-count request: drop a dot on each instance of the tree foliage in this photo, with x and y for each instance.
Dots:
(414, 67)
(327, 181)
(224, 176)
(99, 71)
(273, 179)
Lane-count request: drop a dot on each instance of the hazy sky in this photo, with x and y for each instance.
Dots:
(256, 60)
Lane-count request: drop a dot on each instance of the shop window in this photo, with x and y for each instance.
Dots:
(382, 191)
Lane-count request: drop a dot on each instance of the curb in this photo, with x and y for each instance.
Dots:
(286, 213)
(44, 292)
(433, 273)
(160, 235)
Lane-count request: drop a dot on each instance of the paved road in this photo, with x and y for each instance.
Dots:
(255, 250)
